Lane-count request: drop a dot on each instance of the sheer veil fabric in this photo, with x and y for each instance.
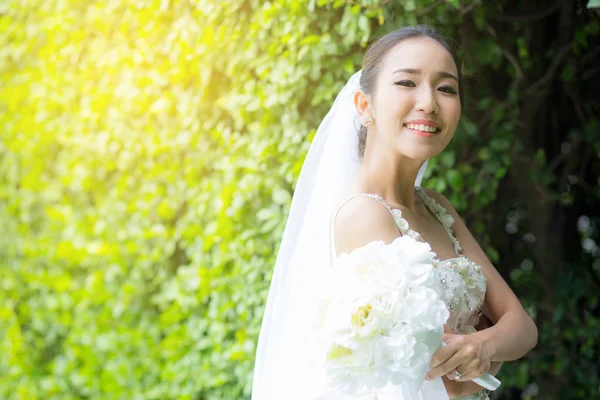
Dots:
(283, 367)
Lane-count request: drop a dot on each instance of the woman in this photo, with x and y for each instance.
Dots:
(408, 98)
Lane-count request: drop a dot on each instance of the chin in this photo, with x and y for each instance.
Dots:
(420, 151)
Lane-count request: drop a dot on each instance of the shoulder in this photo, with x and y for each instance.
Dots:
(362, 220)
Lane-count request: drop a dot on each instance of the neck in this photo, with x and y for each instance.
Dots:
(392, 178)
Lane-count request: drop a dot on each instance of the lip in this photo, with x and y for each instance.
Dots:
(421, 133)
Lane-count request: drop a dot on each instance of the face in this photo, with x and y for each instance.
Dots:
(415, 106)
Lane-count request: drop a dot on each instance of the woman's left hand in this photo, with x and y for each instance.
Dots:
(467, 354)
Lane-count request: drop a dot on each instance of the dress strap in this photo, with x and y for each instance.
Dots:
(332, 225)
(442, 215)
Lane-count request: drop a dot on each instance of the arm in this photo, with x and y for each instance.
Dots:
(514, 332)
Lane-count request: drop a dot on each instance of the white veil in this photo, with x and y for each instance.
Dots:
(282, 369)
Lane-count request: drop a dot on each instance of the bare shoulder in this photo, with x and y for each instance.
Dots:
(362, 220)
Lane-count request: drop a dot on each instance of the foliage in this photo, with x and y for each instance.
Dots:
(148, 154)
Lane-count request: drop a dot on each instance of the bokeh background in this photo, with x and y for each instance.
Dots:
(149, 151)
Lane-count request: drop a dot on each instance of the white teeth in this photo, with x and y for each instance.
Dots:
(422, 128)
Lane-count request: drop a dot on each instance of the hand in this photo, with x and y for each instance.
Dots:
(466, 354)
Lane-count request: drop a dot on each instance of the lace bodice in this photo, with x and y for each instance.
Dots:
(462, 279)
(463, 282)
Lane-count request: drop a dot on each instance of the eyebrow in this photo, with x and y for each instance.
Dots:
(441, 74)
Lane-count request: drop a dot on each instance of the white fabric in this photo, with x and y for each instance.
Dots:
(282, 368)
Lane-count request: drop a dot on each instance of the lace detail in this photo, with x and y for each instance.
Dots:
(463, 283)
(463, 289)
(481, 395)
(441, 213)
(397, 215)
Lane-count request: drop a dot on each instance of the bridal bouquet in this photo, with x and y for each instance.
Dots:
(381, 316)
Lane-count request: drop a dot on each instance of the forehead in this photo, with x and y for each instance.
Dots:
(421, 53)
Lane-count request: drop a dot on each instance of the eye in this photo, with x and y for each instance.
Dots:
(405, 83)
(447, 89)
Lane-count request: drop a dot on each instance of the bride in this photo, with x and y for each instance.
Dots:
(357, 188)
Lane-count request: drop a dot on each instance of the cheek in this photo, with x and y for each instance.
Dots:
(392, 98)
(452, 112)
(398, 105)
(458, 109)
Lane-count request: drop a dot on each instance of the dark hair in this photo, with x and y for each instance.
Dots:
(378, 50)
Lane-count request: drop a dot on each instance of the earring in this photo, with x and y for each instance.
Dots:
(368, 121)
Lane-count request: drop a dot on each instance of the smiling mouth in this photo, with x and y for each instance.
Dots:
(422, 128)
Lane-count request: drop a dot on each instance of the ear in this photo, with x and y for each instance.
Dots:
(362, 102)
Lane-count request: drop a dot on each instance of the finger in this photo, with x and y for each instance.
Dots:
(471, 372)
(452, 338)
(444, 368)
(461, 371)
(442, 355)
(451, 375)
(448, 337)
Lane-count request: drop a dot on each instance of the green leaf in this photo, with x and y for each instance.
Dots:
(447, 159)
(281, 196)
(455, 179)
(310, 39)
(593, 4)
(454, 3)
(500, 144)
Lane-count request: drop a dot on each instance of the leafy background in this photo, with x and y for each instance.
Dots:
(148, 155)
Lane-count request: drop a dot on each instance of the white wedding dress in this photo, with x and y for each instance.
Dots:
(283, 368)
(463, 290)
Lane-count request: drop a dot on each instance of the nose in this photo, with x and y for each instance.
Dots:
(426, 100)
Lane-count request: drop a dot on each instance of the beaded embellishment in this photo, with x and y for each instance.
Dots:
(463, 282)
